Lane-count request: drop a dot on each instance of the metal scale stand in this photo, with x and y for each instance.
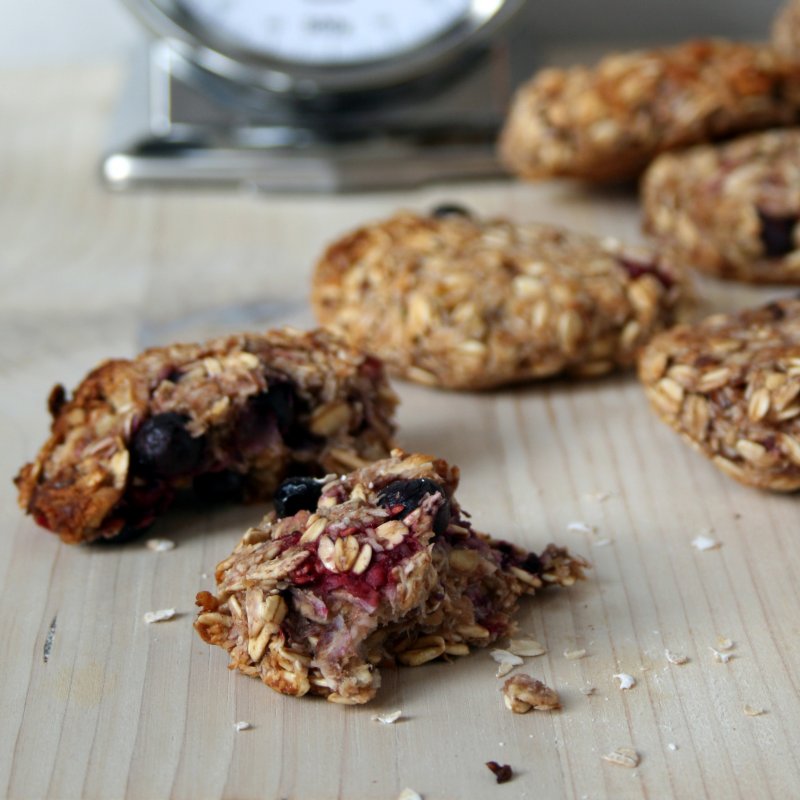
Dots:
(178, 124)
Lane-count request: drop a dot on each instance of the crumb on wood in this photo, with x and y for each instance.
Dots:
(502, 772)
(623, 757)
(522, 693)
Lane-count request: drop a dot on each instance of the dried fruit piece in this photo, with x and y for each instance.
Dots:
(402, 497)
(502, 772)
(297, 494)
(163, 447)
(313, 603)
(777, 233)
(450, 210)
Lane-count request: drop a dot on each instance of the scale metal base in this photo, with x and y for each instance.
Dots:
(179, 125)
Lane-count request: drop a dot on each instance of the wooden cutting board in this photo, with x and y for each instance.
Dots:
(124, 709)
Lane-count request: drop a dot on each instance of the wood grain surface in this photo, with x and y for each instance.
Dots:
(124, 709)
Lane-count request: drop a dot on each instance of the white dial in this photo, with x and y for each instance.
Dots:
(317, 32)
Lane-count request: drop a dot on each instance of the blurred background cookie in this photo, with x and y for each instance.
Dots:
(608, 122)
(454, 301)
(731, 209)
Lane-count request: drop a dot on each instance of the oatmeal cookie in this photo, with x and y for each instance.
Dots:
(462, 303)
(608, 122)
(230, 417)
(786, 31)
(377, 567)
(731, 387)
(730, 209)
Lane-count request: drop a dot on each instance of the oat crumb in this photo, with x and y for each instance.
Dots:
(388, 719)
(626, 681)
(588, 690)
(598, 496)
(601, 542)
(721, 657)
(526, 647)
(504, 669)
(505, 657)
(160, 545)
(751, 711)
(574, 655)
(581, 527)
(162, 615)
(724, 644)
(623, 757)
(242, 726)
(676, 658)
(705, 542)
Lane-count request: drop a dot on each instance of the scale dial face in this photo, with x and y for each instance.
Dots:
(335, 32)
(313, 47)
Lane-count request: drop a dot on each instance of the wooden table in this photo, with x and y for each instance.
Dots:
(121, 708)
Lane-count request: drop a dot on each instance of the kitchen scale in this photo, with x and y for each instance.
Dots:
(317, 95)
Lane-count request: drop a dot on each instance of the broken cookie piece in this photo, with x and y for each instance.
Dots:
(523, 693)
(730, 386)
(229, 418)
(381, 569)
(464, 303)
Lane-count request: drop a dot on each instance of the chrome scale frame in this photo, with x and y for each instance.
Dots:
(191, 114)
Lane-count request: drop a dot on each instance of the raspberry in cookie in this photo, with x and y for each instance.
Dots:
(229, 418)
(383, 568)
(608, 122)
(730, 386)
(455, 301)
(731, 209)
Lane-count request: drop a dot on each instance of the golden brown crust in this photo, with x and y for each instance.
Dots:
(731, 387)
(608, 122)
(730, 209)
(315, 602)
(84, 483)
(463, 303)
